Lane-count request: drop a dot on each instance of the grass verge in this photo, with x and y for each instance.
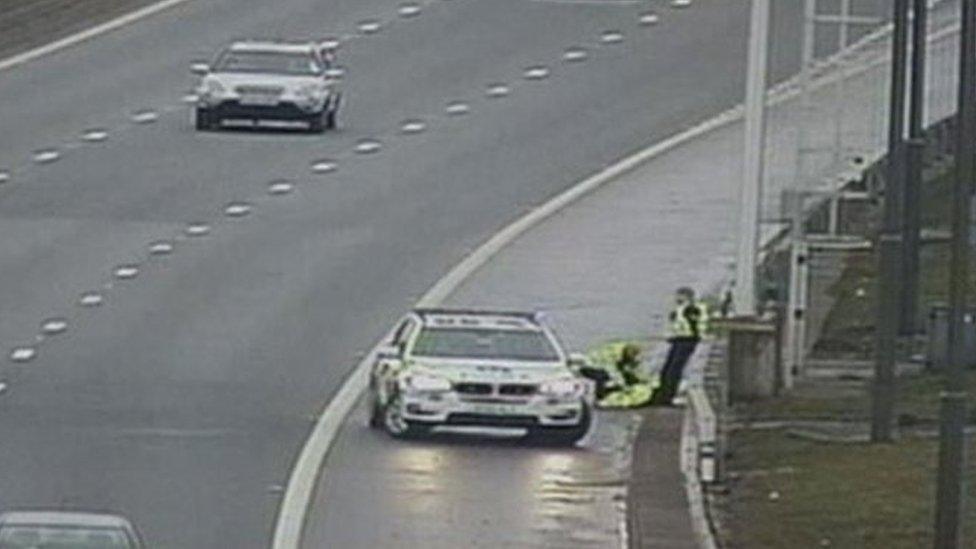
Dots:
(796, 493)
(785, 491)
(849, 330)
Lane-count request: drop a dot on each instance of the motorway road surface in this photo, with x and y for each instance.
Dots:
(184, 397)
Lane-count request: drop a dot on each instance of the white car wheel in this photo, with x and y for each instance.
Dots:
(394, 422)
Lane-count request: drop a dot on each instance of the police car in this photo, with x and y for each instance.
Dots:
(259, 80)
(450, 368)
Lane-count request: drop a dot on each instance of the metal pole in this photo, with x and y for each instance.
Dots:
(916, 151)
(796, 317)
(952, 439)
(889, 241)
(753, 167)
(840, 112)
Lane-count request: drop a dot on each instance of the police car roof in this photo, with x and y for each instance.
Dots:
(273, 46)
(472, 318)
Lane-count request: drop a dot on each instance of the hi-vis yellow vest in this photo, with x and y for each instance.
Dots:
(680, 325)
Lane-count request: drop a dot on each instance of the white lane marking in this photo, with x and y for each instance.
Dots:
(538, 72)
(237, 209)
(190, 98)
(46, 156)
(86, 34)
(370, 26)
(94, 135)
(413, 126)
(335, 72)
(91, 299)
(409, 9)
(575, 54)
(498, 90)
(126, 272)
(23, 354)
(457, 108)
(680, 3)
(649, 18)
(145, 116)
(280, 187)
(54, 326)
(368, 146)
(612, 37)
(324, 166)
(197, 229)
(331, 42)
(161, 247)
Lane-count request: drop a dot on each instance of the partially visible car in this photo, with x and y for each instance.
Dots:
(67, 530)
(261, 80)
(479, 368)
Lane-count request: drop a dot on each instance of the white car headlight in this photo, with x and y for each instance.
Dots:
(563, 388)
(310, 92)
(426, 383)
(212, 88)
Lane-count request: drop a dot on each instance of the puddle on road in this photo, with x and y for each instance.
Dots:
(581, 502)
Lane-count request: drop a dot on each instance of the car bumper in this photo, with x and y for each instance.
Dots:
(280, 111)
(451, 410)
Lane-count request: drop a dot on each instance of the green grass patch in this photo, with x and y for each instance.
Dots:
(849, 331)
(796, 493)
(917, 401)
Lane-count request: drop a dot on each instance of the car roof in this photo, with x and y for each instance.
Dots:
(273, 46)
(64, 518)
(476, 318)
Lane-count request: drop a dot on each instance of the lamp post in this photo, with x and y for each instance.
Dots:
(952, 438)
(754, 160)
(890, 239)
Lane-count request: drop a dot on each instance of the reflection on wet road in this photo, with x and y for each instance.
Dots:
(468, 490)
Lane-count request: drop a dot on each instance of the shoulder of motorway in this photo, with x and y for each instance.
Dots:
(602, 265)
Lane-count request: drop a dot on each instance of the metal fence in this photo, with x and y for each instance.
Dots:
(829, 132)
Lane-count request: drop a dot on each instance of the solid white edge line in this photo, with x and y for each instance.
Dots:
(308, 469)
(102, 28)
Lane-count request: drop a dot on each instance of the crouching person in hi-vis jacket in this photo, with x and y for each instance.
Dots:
(620, 381)
(687, 323)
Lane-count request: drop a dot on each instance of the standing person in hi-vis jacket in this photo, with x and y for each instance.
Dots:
(687, 323)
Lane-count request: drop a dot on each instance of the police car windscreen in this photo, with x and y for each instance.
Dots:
(267, 62)
(484, 344)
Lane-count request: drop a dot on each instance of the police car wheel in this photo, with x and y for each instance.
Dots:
(563, 436)
(396, 425)
(375, 414)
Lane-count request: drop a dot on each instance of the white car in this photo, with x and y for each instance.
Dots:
(270, 80)
(57, 529)
(448, 368)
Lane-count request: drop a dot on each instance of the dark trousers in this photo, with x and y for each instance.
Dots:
(674, 368)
